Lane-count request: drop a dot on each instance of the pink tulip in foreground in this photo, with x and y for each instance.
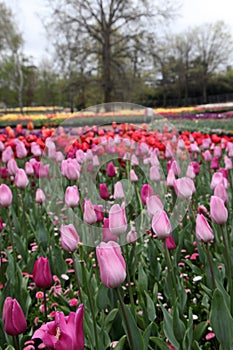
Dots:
(13, 317)
(111, 263)
(21, 179)
(117, 219)
(218, 211)
(42, 274)
(5, 196)
(64, 333)
(161, 225)
(72, 196)
(204, 232)
(69, 238)
(184, 187)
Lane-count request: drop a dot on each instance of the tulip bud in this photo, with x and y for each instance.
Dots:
(214, 163)
(190, 172)
(170, 178)
(118, 191)
(104, 191)
(170, 243)
(111, 171)
(117, 219)
(131, 236)
(111, 263)
(161, 225)
(13, 317)
(89, 215)
(69, 238)
(40, 196)
(29, 168)
(204, 232)
(5, 196)
(72, 196)
(133, 176)
(146, 191)
(184, 187)
(21, 179)
(99, 212)
(218, 211)
(12, 166)
(153, 204)
(207, 156)
(42, 274)
(21, 151)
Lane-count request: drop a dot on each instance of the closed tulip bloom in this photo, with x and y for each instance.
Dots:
(217, 179)
(21, 179)
(111, 171)
(204, 232)
(111, 263)
(154, 173)
(196, 167)
(131, 236)
(190, 172)
(117, 219)
(207, 156)
(70, 168)
(153, 204)
(40, 196)
(40, 169)
(228, 163)
(161, 225)
(118, 191)
(170, 178)
(214, 163)
(170, 243)
(69, 238)
(21, 151)
(42, 274)
(12, 166)
(13, 317)
(133, 176)
(29, 168)
(95, 160)
(89, 215)
(146, 191)
(217, 151)
(218, 211)
(99, 212)
(175, 167)
(35, 149)
(5, 196)
(221, 192)
(107, 235)
(134, 160)
(59, 157)
(184, 187)
(7, 154)
(72, 196)
(104, 191)
(64, 332)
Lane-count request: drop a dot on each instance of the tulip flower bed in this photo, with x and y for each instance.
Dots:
(117, 238)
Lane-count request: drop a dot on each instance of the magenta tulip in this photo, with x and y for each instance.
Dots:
(104, 191)
(64, 333)
(40, 169)
(107, 235)
(69, 238)
(117, 219)
(146, 191)
(170, 243)
(42, 274)
(72, 196)
(184, 187)
(5, 196)
(111, 263)
(218, 211)
(13, 317)
(99, 212)
(111, 171)
(161, 225)
(204, 232)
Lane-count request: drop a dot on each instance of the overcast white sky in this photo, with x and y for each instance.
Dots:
(193, 12)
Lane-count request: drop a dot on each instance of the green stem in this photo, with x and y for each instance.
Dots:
(129, 283)
(76, 277)
(228, 263)
(210, 265)
(171, 273)
(16, 342)
(45, 307)
(90, 297)
(123, 309)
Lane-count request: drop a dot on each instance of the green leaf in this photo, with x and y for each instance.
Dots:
(160, 343)
(142, 280)
(102, 297)
(221, 321)
(42, 235)
(188, 337)
(199, 330)
(177, 325)
(137, 339)
(168, 329)
(109, 320)
(151, 313)
(20, 246)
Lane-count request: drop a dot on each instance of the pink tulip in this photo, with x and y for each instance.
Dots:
(2, 147)
(35, 149)
(111, 263)
(118, 191)
(207, 156)
(7, 154)
(228, 163)
(99, 212)
(80, 156)
(134, 160)
(218, 211)
(131, 236)
(117, 219)
(42, 274)
(153, 204)
(221, 192)
(184, 187)
(69, 238)
(196, 167)
(72, 196)
(5, 196)
(107, 235)
(202, 210)
(13, 317)
(190, 172)
(217, 151)
(21, 179)
(64, 333)
(111, 171)
(70, 168)
(214, 163)
(175, 167)
(40, 169)
(161, 225)
(40, 196)
(133, 176)
(95, 161)
(170, 178)
(104, 191)
(12, 166)
(29, 169)
(89, 215)
(146, 191)
(154, 173)
(59, 157)
(170, 243)
(204, 232)
(21, 151)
